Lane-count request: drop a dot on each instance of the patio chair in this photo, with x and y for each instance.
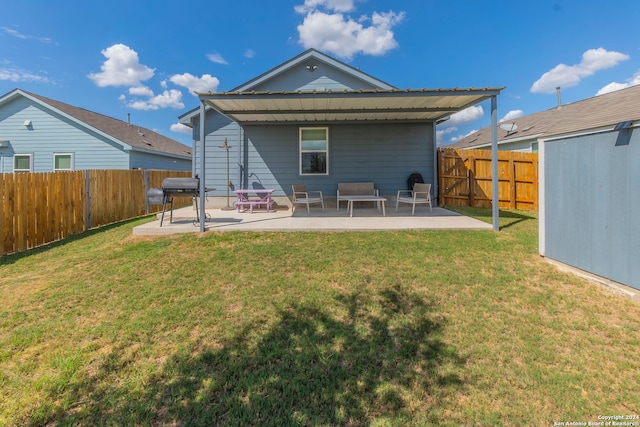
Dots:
(421, 194)
(302, 196)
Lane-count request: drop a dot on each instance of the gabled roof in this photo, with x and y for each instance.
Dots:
(123, 133)
(593, 114)
(308, 57)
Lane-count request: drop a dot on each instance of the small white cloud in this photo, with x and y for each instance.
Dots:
(206, 83)
(570, 75)
(333, 5)
(180, 128)
(249, 53)
(217, 58)
(140, 91)
(613, 86)
(513, 114)
(168, 99)
(465, 116)
(17, 75)
(122, 68)
(19, 35)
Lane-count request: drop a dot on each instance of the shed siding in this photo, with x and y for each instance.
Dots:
(383, 153)
(590, 204)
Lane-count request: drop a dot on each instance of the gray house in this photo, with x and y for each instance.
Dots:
(317, 121)
(38, 134)
(590, 115)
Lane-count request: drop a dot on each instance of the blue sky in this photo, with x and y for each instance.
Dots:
(145, 58)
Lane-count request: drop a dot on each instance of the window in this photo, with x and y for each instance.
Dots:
(534, 147)
(22, 163)
(314, 151)
(62, 162)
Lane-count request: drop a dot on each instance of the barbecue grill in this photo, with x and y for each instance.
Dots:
(176, 187)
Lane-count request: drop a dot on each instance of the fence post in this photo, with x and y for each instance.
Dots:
(146, 189)
(87, 198)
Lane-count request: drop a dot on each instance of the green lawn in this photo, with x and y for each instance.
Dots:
(364, 328)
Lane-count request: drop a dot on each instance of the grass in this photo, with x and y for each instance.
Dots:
(372, 328)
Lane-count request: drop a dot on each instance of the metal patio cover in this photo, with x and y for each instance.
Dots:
(376, 105)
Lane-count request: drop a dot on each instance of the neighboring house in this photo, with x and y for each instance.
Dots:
(590, 115)
(38, 134)
(317, 121)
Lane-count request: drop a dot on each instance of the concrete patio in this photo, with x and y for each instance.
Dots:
(286, 219)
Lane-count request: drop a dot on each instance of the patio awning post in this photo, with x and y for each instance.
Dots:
(202, 168)
(495, 202)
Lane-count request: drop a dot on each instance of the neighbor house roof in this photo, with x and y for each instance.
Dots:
(598, 113)
(137, 137)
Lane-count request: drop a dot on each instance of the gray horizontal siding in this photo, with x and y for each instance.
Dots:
(383, 153)
(140, 160)
(591, 204)
(323, 77)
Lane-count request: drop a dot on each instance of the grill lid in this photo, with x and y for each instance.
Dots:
(184, 184)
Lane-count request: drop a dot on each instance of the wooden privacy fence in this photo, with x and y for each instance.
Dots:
(39, 208)
(464, 178)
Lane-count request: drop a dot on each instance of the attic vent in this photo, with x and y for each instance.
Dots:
(527, 128)
(148, 143)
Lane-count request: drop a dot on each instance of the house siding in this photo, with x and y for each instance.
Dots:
(324, 77)
(590, 204)
(383, 153)
(154, 161)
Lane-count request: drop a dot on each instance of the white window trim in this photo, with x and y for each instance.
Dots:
(62, 154)
(300, 151)
(30, 156)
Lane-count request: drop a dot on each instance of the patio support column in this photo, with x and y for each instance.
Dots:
(202, 168)
(494, 164)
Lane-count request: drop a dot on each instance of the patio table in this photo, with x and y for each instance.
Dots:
(350, 199)
(244, 198)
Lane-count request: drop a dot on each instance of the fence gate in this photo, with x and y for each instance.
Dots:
(464, 178)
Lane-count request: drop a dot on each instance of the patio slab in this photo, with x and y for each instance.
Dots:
(284, 219)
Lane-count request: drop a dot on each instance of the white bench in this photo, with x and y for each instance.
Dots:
(346, 189)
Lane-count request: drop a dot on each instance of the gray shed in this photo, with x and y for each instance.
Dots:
(589, 204)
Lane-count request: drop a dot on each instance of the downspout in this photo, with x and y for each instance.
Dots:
(435, 164)
(202, 168)
(494, 164)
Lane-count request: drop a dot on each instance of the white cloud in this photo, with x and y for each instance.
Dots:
(18, 75)
(249, 53)
(570, 75)
(334, 5)
(513, 114)
(613, 86)
(19, 35)
(217, 58)
(168, 99)
(180, 128)
(140, 91)
(340, 34)
(122, 68)
(465, 116)
(205, 83)
(441, 134)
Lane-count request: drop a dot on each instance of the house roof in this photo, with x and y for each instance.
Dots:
(136, 137)
(311, 57)
(598, 113)
(346, 105)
